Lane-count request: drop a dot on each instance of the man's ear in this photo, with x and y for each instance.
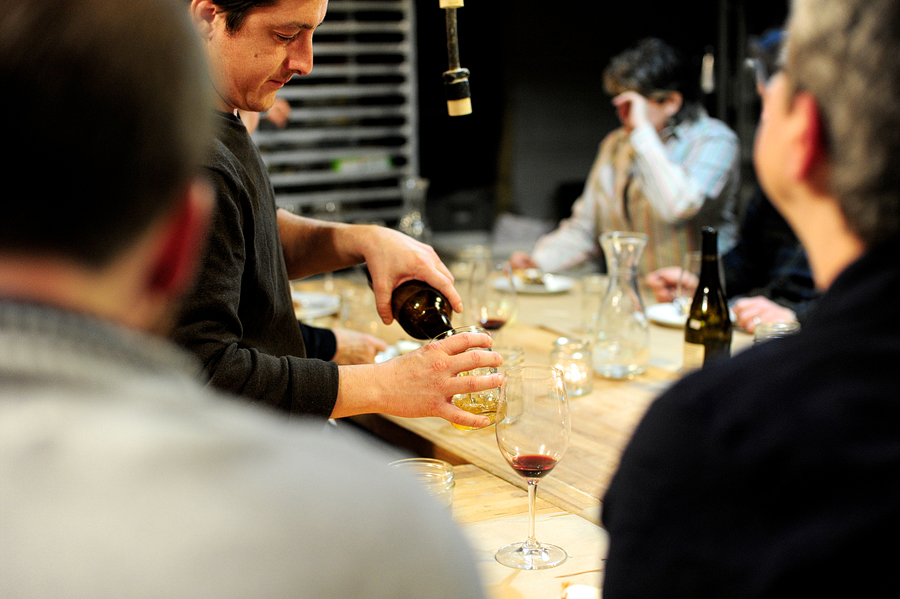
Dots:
(182, 241)
(203, 13)
(673, 104)
(809, 136)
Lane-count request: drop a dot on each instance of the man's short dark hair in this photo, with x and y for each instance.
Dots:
(653, 68)
(110, 106)
(236, 11)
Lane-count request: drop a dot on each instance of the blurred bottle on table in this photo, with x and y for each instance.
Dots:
(622, 344)
(707, 332)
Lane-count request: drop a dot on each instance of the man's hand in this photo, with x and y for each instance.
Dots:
(663, 282)
(521, 260)
(750, 311)
(279, 112)
(394, 258)
(354, 347)
(422, 382)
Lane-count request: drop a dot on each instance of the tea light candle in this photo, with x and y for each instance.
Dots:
(573, 358)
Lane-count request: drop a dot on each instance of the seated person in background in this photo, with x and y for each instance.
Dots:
(767, 270)
(239, 318)
(669, 169)
(121, 474)
(776, 473)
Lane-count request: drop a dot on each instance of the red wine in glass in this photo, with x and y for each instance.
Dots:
(533, 465)
(493, 296)
(532, 432)
(493, 324)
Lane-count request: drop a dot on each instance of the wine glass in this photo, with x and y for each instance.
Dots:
(532, 433)
(687, 281)
(493, 297)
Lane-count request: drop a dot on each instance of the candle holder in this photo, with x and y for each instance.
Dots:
(573, 358)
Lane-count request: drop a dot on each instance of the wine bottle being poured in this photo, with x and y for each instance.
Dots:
(422, 310)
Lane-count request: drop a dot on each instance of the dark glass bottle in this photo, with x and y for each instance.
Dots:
(422, 310)
(707, 332)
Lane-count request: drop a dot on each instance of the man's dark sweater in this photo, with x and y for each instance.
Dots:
(239, 318)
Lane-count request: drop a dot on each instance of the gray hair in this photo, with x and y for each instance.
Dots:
(846, 53)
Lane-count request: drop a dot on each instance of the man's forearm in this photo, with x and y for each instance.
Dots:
(312, 246)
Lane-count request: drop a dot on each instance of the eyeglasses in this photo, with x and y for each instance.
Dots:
(767, 55)
(762, 72)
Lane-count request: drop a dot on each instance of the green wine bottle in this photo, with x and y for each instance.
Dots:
(707, 332)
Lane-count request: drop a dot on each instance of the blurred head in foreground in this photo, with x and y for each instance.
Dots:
(842, 66)
(110, 121)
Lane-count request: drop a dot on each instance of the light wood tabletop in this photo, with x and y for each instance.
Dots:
(602, 421)
(492, 513)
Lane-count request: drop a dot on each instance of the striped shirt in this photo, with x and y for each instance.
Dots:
(666, 186)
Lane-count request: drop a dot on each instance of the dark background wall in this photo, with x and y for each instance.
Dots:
(539, 110)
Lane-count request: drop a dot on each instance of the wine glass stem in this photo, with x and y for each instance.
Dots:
(531, 542)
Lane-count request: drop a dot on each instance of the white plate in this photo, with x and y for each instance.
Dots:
(666, 314)
(308, 305)
(400, 348)
(552, 284)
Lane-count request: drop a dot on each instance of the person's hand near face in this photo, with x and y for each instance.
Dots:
(632, 109)
(635, 110)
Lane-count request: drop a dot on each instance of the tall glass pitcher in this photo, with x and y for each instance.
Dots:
(622, 345)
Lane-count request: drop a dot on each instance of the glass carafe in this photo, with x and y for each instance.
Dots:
(622, 345)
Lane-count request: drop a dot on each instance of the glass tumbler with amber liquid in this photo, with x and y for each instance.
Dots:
(481, 402)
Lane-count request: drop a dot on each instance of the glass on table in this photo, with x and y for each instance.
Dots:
(573, 358)
(468, 266)
(492, 297)
(766, 331)
(413, 222)
(621, 348)
(687, 281)
(532, 433)
(593, 287)
(512, 355)
(480, 402)
(436, 476)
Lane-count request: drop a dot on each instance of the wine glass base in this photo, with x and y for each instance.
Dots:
(523, 557)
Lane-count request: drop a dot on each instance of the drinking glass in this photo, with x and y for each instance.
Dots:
(766, 331)
(480, 402)
(687, 281)
(436, 476)
(532, 433)
(513, 355)
(593, 287)
(493, 297)
(413, 221)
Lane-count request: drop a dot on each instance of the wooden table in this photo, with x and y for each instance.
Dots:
(493, 513)
(602, 421)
